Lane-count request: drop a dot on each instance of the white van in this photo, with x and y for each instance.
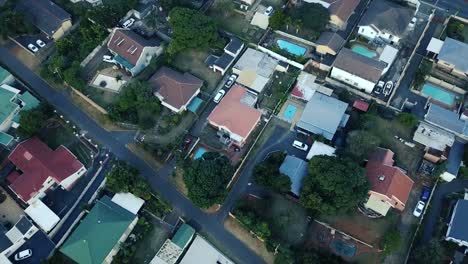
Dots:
(219, 96)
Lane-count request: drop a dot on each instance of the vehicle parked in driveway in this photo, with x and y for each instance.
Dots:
(219, 96)
(269, 11)
(231, 80)
(388, 88)
(32, 48)
(299, 145)
(40, 43)
(108, 58)
(419, 209)
(128, 23)
(426, 192)
(23, 254)
(379, 87)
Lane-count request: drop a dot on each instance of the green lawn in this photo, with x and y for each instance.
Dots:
(101, 97)
(237, 24)
(281, 84)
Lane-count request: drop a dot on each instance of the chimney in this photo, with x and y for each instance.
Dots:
(381, 177)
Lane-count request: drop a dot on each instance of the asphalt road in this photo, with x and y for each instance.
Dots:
(40, 245)
(210, 224)
(451, 6)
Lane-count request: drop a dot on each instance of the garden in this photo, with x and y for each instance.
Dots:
(277, 91)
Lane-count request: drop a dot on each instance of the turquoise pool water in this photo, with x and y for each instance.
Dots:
(291, 47)
(199, 153)
(438, 94)
(290, 111)
(364, 51)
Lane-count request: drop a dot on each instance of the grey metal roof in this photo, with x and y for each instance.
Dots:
(359, 65)
(4, 240)
(446, 119)
(456, 53)
(331, 40)
(388, 16)
(23, 225)
(458, 227)
(323, 112)
(224, 61)
(44, 14)
(455, 157)
(296, 169)
(234, 45)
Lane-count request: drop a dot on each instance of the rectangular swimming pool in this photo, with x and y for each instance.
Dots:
(360, 49)
(291, 47)
(290, 111)
(199, 153)
(438, 94)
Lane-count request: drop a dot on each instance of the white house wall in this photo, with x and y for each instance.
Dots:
(70, 180)
(352, 80)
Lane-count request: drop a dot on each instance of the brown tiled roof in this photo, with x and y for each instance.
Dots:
(359, 65)
(231, 113)
(128, 44)
(343, 8)
(331, 40)
(387, 179)
(176, 88)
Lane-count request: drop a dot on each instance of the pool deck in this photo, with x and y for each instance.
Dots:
(284, 38)
(299, 109)
(453, 106)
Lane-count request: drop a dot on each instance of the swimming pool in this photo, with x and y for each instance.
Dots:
(364, 51)
(438, 94)
(290, 111)
(199, 153)
(291, 47)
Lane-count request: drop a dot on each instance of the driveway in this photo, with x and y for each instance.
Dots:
(41, 247)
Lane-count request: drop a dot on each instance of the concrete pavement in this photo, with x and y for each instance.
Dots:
(208, 223)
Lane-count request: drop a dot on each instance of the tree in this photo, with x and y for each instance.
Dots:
(191, 30)
(125, 178)
(360, 143)
(13, 23)
(277, 20)
(206, 179)
(31, 121)
(314, 17)
(420, 75)
(225, 7)
(267, 174)
(391, 242)
(431, 253)
(407, 119)
(333, 185)
(72, 78)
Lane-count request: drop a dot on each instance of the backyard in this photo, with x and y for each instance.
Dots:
(456, 30)
(147, 248)
(277, 90)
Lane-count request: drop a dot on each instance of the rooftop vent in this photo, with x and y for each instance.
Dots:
(381, 177)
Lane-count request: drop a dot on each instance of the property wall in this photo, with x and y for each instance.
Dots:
(70, 180)
(461, 243)
(352, 80)
(323, 3)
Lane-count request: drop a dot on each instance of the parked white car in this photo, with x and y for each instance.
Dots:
(33, 48)
(40, 43)
(128, 23)
(108, 58)
(419, 209)
(269, 11)
(299, 145)
(219, 96)
(388, 88)
(23, 254)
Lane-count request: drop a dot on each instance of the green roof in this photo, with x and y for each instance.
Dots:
(98, 232)
(7, 107)
(29, 101)
(183, 236)
(5, 139)
(3, 74)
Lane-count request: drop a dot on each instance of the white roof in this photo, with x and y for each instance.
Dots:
(128, 201)
(388, 55)
(435, 45)
(202, 250)
(319, 148)
(307, 86)
(42, 215)
(169, 253)
(433, 137)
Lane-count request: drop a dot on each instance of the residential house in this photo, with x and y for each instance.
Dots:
(132, 52)
(388, 56)
(357, 70)
(390, 186)
(296, 169)
(437, 141)
(329, 43)
(223, 62)
(254, 69)
(92, 2)
(434, 47)
(385, 20)
(340, 11)
(39, 168)
(12, 101)
(236, 116)
(47, 16)
(447, 120)
(318, 148)
(42, 215)
(98, 237)
(260, 19)
(172, 249)
(175, 90)
(5, 77)
(457, 231)
(11, 240)
(453, 57)
(323, 115)
(200, 249)
(306, 87)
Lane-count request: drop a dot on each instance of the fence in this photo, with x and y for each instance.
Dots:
(298, 39)
(280, 57)
(90, 101)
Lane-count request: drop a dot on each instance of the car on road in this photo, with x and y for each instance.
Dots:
(379, 87)
(128, 23)
(419, 209)
(412, 23)
(269, 11)
(40, 43)
(219, 96)
(299, 145)
(388, 88)
(23, 254)
(230, 81)
(426, 192)
(33, 48)
(108, 58)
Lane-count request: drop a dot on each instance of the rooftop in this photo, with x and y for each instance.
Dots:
(343, 8)
(455, 52)
(234, 45)
(202, 250)
(256, 68)
(433, 137)
(331, 40)
(44, 14)
(7, 102)
(4, 74)
(458, 229)
(446, 119)
(319, 148)
(129, 45)
(183, 236)
(296, 169)
(359, 65)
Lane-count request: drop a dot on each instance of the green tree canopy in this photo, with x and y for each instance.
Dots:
(110, 12)
(125, 178)
(360, 144)
(267, 173)
(12, 23)
(391, 242)
(277, 20)
(314, 17)
(206, 179)
(407, 119)
(333, 185)
(191, 30)
(431, 253)
(31, 121)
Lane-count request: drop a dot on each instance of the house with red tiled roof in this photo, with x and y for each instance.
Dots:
(175, 90)
(39, 168)
(235, 116)
(390, 186)
(131, 51)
